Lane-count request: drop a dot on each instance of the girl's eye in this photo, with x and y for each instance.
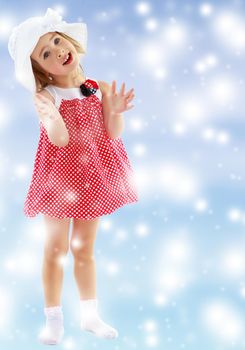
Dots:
(46, 54)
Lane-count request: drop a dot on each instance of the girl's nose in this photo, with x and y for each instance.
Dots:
(60, 53)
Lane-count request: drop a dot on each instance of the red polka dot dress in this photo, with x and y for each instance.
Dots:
(89, 177)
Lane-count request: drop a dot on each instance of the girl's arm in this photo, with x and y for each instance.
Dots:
(113, 105)
(51, 119)
(114, 122)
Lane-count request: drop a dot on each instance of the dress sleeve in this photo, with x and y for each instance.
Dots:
(52, 92)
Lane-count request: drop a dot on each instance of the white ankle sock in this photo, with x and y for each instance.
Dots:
(53, 332)
(90, 320)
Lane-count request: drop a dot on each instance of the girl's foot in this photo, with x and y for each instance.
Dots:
(53, 332)
(91, 322)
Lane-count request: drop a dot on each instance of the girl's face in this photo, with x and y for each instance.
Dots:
(51, 52)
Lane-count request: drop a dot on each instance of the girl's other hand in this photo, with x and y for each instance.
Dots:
(119, 102)
(45, 108)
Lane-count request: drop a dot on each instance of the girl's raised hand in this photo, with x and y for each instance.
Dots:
(119, 102)
(45, 108)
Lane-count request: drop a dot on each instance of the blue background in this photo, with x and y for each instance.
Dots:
(170, 268)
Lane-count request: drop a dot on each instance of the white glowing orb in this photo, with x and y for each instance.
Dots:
(160, 73)
(234, 214)
(150, 326)
(21, 171)
(172, 280)
(208, 134)
(201, 205)
(175, 35)
(211, 60)
(223, 321)
(179, 128)
(206, 9)
(71, 196)
(174, 269)
(36, 232)
(112, 268)
(222, 90)
(227, 22)
(6, 25)
(206, 63)
(106, 224)
(76, 243)
(135, 124)
(233, 263)
(5, 307)
(142, 230)
(139, 150)
(160, 299)
(4, 115)
(177, 250)
(143, 8)
(192, 109)
(242, 291)
(24, 263)
(152, 340)
(178, 182)
(121, 235)
(143, 179)
(151, 54)
(200, 66)
(231, 30)
(151, 24)
(10, 264)
(223, 137)
(69, 343)
(63, 260)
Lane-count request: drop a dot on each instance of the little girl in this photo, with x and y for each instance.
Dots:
(81, 169)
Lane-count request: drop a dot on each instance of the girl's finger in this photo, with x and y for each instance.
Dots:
(113, 87)
(41, 103)
(130, 98)
(38, 100)
(42, 98)
(41, 108)
(122, 89)
(129, 107)
(40, 95)
(129, 92)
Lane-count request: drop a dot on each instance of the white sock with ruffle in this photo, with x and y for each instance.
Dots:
(53, 332)
(90, 320)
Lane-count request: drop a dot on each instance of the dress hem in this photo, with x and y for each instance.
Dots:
(73, 217)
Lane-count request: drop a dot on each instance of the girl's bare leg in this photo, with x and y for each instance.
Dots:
(82, 247)
(56, 247)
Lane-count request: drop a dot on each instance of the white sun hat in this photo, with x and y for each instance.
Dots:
(25, 36)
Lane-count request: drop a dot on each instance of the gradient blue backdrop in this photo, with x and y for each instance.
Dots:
(171, 268)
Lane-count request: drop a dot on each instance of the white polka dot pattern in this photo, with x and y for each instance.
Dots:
(91, 176)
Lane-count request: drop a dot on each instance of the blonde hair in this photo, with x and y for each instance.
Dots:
(41, 75)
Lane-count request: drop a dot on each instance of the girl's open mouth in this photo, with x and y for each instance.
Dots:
(69, 59)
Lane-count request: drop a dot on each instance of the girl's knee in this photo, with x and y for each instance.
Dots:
(53, 252)
(82, 251)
